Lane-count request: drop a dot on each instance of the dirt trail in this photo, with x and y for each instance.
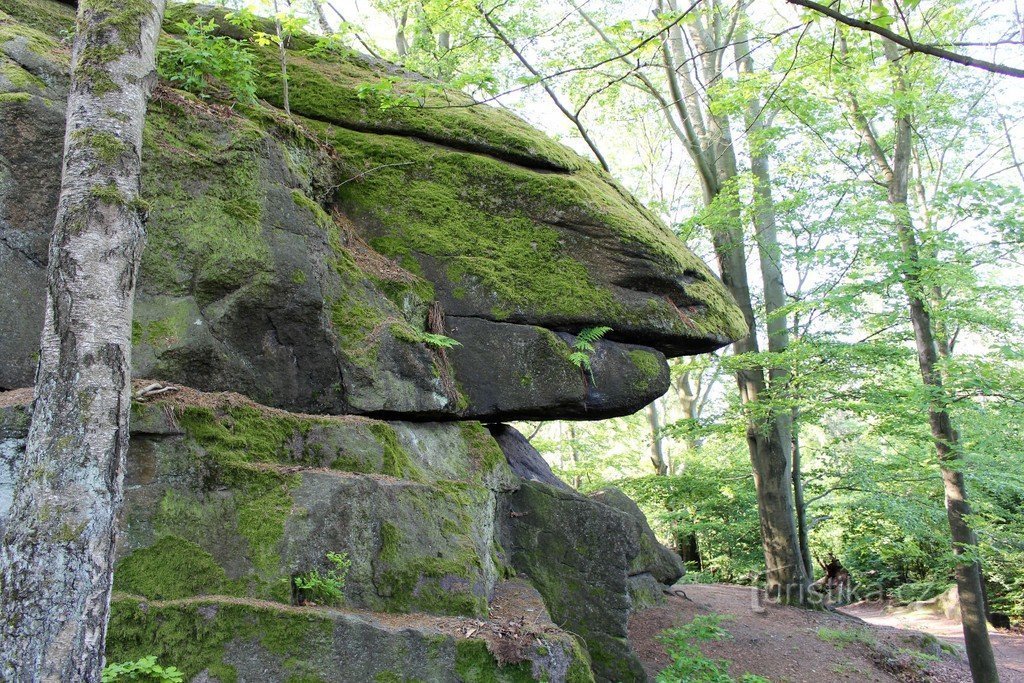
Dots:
(784, 644)
(1009, 647)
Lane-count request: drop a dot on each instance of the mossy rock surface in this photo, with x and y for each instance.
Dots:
(229, 639)
(582, 556)
(244, 499)
(295, 259)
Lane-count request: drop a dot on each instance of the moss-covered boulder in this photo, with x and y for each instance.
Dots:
(594, 559)
(301, 260)
(655, 567)
(578, 554)
(225, 639)
(232, 498)
(232, 509)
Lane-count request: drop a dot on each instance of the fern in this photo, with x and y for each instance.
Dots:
(587, 336)
(438, 340)
(584, 346)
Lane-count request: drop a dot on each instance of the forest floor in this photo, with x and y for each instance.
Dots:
(792, 645)
(1008, 646)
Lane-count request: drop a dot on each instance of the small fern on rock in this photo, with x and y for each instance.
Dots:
(584, 346)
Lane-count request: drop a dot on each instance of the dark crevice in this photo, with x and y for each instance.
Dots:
(530, 163)
(22, 252)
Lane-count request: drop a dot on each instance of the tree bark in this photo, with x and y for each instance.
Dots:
(768, 435)
(659, 457)
(56, 561)
(800, 505)
(282, 53)
(321, 18)
(945, 437)
(708, 141)
(770, 258)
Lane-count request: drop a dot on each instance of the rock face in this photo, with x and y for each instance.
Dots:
(296, 261)
(229, 505)
(594, 559)
(374, 278)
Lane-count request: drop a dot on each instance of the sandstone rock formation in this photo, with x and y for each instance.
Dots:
(304, 262)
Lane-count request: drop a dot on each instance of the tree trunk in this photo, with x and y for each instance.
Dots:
(946, 439)
(659, 458)
(801, 506)
(282, 53)
(768, 436)
(577, 478)
(401, 43)
(770, 258)
(321, 18)
(57, 556)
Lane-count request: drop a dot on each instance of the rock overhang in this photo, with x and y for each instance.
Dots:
(298, 260)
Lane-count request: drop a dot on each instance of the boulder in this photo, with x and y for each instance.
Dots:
(655, 567)
(590, 562)
(306, 261)
(229, 503)
(526, 462)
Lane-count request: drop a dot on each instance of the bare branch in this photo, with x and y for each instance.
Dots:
(909, 44)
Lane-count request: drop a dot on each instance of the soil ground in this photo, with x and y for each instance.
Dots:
(783, 643)
(1008, 646)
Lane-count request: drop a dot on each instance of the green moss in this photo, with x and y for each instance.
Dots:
(12, 97)
(42, 16)
(170, 568)
(115, 27)
(475, 664)
(121, 17)
(557, 344)
(19, 77)
(356, 320)
(483, 449)
(246, 433)
(409, 578)
(107, 146)
(390, 538)
(299, 276)
(35, 21)
(424, 584)
(329, 90)
(396, 460)
(579, 670)
(648, 365)
(108, 194)
(193, 637)
(447, 212)
(203, 181)
(234, 443)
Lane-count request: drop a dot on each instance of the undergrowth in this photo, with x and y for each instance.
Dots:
(145, 669)
(689, 664)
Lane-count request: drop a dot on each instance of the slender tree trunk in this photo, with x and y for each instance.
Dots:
(770, 258)
(659, 456)
(282, 53)
(577, 479)
(57, 557)
(768, 436)
(401, 43)
(958, 510)
(947, 447)
(321, 18)
(708, 142)
(800, 505)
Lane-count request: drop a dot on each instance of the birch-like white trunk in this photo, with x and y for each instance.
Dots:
(56, 563)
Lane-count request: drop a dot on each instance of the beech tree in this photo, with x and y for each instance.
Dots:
(57, 556)
(894, 167)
